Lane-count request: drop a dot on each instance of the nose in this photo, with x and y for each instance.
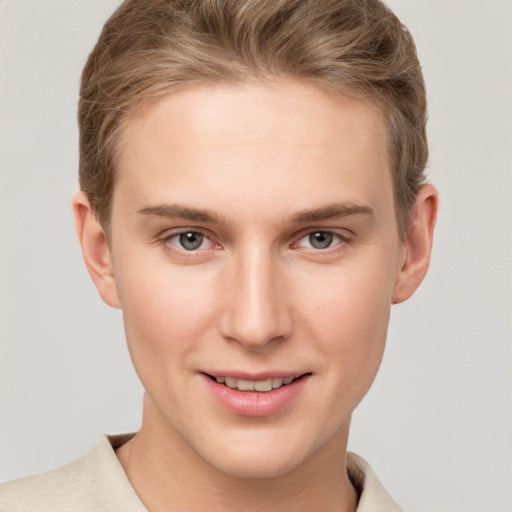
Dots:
(256, 310)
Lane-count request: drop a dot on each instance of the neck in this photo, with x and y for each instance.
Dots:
(165, 471)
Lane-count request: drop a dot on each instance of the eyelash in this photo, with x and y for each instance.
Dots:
(341, 240)
(338, 240)
(166, 241)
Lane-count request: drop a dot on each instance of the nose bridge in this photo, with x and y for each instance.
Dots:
(256, 312)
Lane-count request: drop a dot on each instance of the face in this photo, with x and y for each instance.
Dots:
(255, 254)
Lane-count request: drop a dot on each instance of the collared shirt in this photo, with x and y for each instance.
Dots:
(97, 483)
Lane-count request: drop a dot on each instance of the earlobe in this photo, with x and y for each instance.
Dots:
(418, 244)
(95, 250)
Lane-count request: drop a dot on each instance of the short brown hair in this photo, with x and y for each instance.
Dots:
(149, 48)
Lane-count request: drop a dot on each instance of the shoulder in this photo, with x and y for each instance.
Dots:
(65, 488)
(372, 495)
(96, 482)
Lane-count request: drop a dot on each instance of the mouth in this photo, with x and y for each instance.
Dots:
(263, 386)
(256, 395)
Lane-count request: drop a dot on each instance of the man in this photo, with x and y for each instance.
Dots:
(253, 199)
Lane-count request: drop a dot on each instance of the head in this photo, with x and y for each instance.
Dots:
(252, 200)
(347, 47)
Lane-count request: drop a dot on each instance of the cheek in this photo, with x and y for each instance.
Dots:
(347, 313)
(166, 309)
(352, 335)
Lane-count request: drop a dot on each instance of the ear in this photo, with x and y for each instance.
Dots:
(95, 249)
(417, 245)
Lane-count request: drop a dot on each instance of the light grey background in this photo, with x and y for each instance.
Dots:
(437, 426)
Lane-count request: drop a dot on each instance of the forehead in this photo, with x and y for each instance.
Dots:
(281, 141)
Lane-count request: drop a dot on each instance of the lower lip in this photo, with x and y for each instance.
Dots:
(256, 403)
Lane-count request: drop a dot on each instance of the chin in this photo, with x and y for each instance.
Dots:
(258, 459)
(250, 467)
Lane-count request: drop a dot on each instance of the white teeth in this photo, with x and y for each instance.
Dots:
(231, 382)
(263, 385)
(245, 385)
(251, 385)
(277, 383)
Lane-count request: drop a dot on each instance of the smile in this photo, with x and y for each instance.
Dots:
(259, 385)
(262, 395)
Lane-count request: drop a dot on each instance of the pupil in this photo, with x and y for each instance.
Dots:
(191, 241)
(320, 240)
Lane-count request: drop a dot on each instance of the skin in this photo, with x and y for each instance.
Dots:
(270, 163)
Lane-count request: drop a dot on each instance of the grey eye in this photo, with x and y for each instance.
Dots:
(191, 240)
(321, 239)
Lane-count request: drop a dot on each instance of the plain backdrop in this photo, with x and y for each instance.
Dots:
(437, 425)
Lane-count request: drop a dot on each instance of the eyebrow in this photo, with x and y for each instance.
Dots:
(176, 211)
(332, 210)
(329, 211)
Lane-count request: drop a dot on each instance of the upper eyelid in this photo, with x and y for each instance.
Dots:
(171, 233)
(337, 235)
(341, 232)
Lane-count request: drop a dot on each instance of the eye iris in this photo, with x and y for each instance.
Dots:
(320, 240)
(191, 241)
